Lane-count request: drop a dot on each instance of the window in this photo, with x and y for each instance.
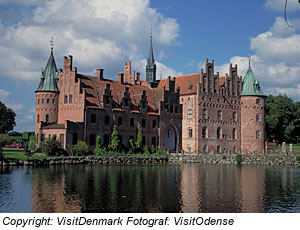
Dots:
(154, 124)
(74, 139)
(257, 117)
(218, 133)
(234, 149)
(166, 108)
(219, 115)
(120, 139)
(190, 130)
(120, 121)
(143, 140)
(106, 99)
(204, 132)
(143, 123)
(47, 118)
(53, 101)
(215, 85)
(168, 132)
(204, 114)
(171, 109)
(234, 116)
(106, 120)
(189, 149)
(42, 101)
(205, 148)
(93, 118)
(218, 149)
(38, 101)
(66, 99)
(38, 118)
(190, 87)
(257, 134)
(131, 122)
(126, 101)
(92, 139)
(176, 109)
(189, 114)
(257, 101)
(48, 101)
(106, 139)
(153, 141)
(234, 133)
(70, 99)
(204, 84)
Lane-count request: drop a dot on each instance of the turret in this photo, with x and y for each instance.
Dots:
(47, 97)
(253, 103)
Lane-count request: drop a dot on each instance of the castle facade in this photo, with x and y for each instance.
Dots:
(196, 113)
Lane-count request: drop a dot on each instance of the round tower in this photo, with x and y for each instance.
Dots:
(253, 104)
(47, 98)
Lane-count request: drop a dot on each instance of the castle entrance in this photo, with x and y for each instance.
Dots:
(170, 138)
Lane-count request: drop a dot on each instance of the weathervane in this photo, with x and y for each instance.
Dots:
(51, 43)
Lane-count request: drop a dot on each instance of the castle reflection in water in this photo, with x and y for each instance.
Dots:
(164, 188)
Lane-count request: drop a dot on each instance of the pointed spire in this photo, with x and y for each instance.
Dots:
(49, 76)
(150, 67)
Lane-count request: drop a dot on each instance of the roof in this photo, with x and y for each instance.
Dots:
(95, 90)
(49, 76)
(186, 83)
(251, 86)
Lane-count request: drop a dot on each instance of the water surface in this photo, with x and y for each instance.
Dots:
(150, 188)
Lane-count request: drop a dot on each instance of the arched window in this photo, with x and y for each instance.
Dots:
(205, 148)
(204, 114)
(258, 117)
(47, 118)
(234, 133)
(219, 115)
(204, 83)
(218, 149)
(189, 149)
(219, 133)
(234, 116)
(234, 149)
(204, 132)
(257, 134)
(190, 131)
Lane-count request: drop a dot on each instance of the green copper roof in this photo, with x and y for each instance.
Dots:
(49, 77)
(251, 86)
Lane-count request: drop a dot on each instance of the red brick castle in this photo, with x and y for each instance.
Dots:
(197, 113)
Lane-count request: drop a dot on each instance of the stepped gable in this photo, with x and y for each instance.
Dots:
(95, 90)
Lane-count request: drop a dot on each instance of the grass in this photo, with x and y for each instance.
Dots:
(296, 148)
(19, 154)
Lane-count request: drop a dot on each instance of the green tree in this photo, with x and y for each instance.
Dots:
(114, 146)
(7, 118)
(98, 150)
(80, 149)
(5, 140)
(138, 143)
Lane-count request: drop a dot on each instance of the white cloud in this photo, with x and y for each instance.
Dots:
(97, 33)
(275, 62)
(4, 95)
(278, 5)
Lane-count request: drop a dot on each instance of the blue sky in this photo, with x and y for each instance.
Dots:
(106, 33)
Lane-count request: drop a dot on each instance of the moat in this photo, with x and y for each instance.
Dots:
(150, 188)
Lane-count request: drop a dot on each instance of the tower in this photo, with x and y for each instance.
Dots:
(151, 66)
(47, 96)
(253, 104)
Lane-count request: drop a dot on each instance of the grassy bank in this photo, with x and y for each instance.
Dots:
(19, 154)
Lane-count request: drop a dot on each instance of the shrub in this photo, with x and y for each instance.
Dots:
(146, 149)
(298, 158)
(31, 143)
(224, 157)
(5, 140)
(131, 146)
(80, 149)
(239, 159)
(51, 147)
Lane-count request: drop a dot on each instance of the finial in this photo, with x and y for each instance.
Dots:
(151, 31)
(249, 59)
(51, 44)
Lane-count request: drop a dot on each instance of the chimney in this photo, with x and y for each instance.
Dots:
(100, 74)
(121, 78)
(138, 78)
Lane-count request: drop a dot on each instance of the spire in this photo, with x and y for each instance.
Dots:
(49, 76)
(150, 67)
(251, 86)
